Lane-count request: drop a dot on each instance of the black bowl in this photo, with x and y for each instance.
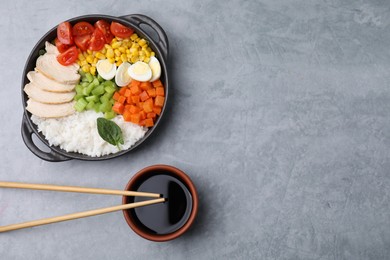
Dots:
(143, 26)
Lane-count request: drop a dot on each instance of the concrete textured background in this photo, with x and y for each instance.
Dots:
(279, 112)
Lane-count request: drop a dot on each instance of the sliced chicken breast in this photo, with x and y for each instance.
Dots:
(50, 110)
(47, 84)
(47, 97)
(50, 48)
(48, 65)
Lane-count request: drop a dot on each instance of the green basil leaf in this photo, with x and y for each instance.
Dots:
(109, 131)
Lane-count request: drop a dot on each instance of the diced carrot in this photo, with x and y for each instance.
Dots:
(127, 116)
(157, 83)
(142, 114)
(160, 91)
(159, 101)
(135, 118)
(127, 93)
(151, 115)
(134, 99)
(143, 96)
(127, 107)
(118, 108)
(135, 90)
(148, 105)
(122, 90)
(146, 85)
(133, 109)
(134, 83)
(116, 96)
(148, 122)
(157, 110)
(140, 105)
(121, 99)
(151, 92)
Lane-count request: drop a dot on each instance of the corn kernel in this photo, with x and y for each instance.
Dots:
(127, 51)
(89, 51)
(133, 36)
(81, 57)
(89, 58)
(123, 57)
(111, 60)
(147, 59)
(117, 58)
(83, 62)
(107, 46)
(118, 63)
(116, 45)
(152, 54)
(114, 40)
(142, 42)
(117, 53)
(95, 60)
(110, 53)
(134, 59)
(85, 68)
(103, 51)
(92, 70)
(100, 56)
(122, 49)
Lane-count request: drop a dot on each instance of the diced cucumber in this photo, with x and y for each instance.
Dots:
(80, 104)
(99, 90)
(109, 115)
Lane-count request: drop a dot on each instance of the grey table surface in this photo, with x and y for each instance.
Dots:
(279, 112)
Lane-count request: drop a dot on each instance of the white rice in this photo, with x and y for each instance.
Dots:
(78, 133)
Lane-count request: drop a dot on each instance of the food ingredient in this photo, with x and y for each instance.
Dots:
(140, 71)
(140, 102)
(105, 69)
(78, 133)
(110, 132)
(122, 77)
(95, 93)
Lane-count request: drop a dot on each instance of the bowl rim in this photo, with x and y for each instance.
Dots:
(74, 155)
(186, 181)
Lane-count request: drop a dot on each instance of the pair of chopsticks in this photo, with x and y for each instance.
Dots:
(79, 214)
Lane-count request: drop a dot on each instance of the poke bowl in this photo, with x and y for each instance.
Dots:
(113, 84)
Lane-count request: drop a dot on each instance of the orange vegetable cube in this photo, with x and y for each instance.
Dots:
(118, 107)
(151, 115)
(127, 93)
(151, 92)
(157, 110)
(122, 90)
(135, 99)
(140, 105)
(127, 116)
(148, 122)
(121, 99)
(148, 105)
(145, 85)
(116, 96)
(160, 91)
(134, 83)
(135, 118)
(142, 115)
(157, 83)
(135, 90)
(159, 101)
(143, 96)
(133, 109)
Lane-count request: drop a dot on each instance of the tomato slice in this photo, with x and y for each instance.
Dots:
(97, 40)
(82, 28)
(64, 33)
(120, 30)
(68, 57)
(104, 26)
(82, 41)
(60, 46)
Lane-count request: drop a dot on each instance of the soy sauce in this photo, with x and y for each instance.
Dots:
(167, 217)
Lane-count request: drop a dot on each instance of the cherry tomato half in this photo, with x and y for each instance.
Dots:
(82, 41)
(82, 28)
(64, 33)
(68, 57)
(97, 40)
(120, 30)
(60, 46)
(104, 26)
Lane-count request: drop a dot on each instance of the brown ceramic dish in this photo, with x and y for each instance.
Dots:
(167, 221)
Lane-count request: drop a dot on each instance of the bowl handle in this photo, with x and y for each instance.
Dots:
(27, 133)
(139, 19)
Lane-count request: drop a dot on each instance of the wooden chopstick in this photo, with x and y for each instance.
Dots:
(79, 215)
(20, 185)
